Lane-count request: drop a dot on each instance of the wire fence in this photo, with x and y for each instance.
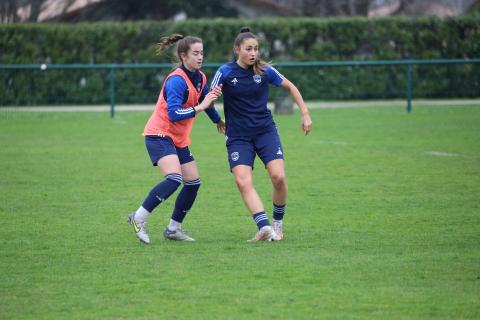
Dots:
(112, 84)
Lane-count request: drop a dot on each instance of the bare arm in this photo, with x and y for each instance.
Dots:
(297, 97)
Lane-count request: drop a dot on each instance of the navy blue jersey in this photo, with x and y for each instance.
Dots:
(176, 94)
(245, 97)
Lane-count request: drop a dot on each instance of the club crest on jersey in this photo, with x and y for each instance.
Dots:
(257, 79)
(235, 156)
(234, 81)
(199, 86)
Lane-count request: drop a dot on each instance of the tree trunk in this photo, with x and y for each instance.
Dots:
(36, 5)
(8, 11)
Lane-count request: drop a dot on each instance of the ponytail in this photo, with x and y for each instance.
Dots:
(183, 46)
(166, 42)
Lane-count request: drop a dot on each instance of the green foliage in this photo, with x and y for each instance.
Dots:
(301, 39)
(474, 9)
(382, 221)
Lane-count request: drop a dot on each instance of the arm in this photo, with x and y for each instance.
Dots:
(218, 120)
(297, 97)
(211, 112)
(277, 79)
(207, 102)
(175, 89)
(217, 84)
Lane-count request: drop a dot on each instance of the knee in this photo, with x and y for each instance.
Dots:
(244, 183)
(279, 181)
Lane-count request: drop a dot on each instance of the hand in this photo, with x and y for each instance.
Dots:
(217, 90)
(221, 126)
(306, 123)
(207, 101)
(210, 97)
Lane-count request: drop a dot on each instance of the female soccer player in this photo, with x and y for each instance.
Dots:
(167, 136)
(251, 131)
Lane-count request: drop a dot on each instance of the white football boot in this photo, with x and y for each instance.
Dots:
(264, 234)
(140, 228)
(278, 229)
(179, 235)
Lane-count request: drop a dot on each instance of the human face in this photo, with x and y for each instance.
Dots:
(247, 52)
(192, 60)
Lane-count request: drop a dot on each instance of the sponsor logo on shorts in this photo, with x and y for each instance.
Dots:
(235, 155)
(279, 152)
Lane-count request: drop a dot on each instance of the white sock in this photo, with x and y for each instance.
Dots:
(266, 228)
(280, 222)
(141, 214)
(173, 225)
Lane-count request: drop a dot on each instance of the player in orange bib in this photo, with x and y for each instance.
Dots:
(183, 95)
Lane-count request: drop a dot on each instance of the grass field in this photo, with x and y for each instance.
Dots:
(382, 222)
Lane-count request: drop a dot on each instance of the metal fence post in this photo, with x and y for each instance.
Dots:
(112, 92)
(409, 87)
(15, 98)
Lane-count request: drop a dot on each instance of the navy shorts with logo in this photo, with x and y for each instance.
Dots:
(161, 146)
(242, 150)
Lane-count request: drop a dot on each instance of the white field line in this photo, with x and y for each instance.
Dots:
(443, 154)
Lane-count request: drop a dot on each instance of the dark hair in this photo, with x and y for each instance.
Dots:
(259, 66)
(183, 45)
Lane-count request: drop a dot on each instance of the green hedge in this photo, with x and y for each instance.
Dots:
(304, 39)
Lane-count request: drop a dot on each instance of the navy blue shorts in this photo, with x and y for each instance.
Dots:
(242, 150)
(161, 146)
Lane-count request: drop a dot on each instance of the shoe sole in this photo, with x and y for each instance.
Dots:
(269, 239)
(173, 239)
(166, 236)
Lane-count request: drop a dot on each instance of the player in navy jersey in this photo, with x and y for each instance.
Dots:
(251, 131)
(167, 136)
